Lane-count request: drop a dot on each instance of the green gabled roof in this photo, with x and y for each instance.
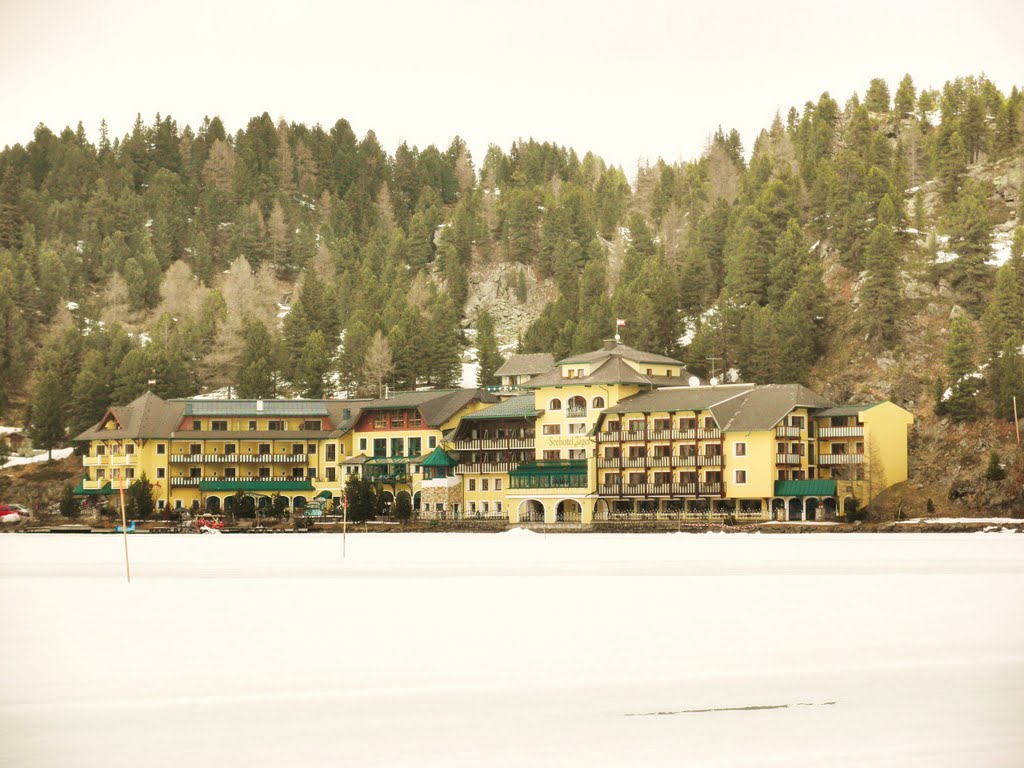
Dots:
(805, 488)
(102, 491)
(438, 458)
(564, 467)
(385, 460)
(518, 407)
(256, 485)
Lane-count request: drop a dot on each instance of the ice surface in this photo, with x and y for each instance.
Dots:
(513, 650)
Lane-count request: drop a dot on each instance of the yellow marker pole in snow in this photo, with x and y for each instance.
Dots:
(124, 527)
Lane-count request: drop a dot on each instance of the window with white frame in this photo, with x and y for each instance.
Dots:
(161, 473)
(484, 483)
(740, 449)
(497, 483)
(740, 477)
(472, 484)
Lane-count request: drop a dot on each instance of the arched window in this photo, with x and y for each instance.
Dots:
(576, 407)
(597, 402)
(555, 404)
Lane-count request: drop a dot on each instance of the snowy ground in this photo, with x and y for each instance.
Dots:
(512, 650)
(58, 454)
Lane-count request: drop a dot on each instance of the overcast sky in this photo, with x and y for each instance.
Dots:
(627, 80)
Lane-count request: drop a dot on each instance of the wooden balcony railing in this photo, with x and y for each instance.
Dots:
(831, 459)
(499, 444)
(239, 458)
(833, 432)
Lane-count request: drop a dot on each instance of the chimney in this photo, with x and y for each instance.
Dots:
(610, 344)
(259, 406)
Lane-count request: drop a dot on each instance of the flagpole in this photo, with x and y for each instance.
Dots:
(124, 531)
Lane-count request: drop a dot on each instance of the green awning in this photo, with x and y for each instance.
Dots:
(817, 488)
(256, 485)
(325, 495)
(438, 458)
(104, 490)
(567, 467)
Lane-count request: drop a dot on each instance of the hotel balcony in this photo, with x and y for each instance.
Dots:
(832, 459)
(93, 461)
(827, 433)
(787, 431)
(788, 458)
(240, 458)
(180, 482)
(575, 413)
(643, 435)
(501, 444)
(493, 467)
(660, 489)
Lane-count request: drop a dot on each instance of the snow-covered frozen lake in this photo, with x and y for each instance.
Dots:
(513, 650)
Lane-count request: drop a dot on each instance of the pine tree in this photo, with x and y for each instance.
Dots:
(488, 356)
(877, 97)
(315, 365)
(787, 262)
(357, 341)
(14, 340)
(961, 403)
(995, 471)
(951, 161)
(1005, 311)
(139, 499)
(69, 506)
(880, 295)
(747, 275)
(970, 237)
(1005, 376)
(443, 344)
(47, 415)
(203, 265)
(90, 395)
(906, 97)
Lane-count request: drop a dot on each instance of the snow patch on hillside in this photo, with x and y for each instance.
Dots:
(17, 461)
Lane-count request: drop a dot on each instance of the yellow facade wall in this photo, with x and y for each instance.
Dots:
(758, 463)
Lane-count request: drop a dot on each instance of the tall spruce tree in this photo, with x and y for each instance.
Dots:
(47, 414)
(961, 402)
(970, 237)
(487, 354)
(880, 294)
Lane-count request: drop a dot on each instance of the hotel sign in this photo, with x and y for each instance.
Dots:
(571, 441)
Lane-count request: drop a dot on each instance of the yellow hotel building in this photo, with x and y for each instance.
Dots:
(614, 434)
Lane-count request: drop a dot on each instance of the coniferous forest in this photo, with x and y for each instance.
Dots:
(870, 246)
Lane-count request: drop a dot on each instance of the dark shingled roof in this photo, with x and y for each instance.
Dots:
(518, 407)
(618, 349)
(764, 406)
(253, 407)
(613, 370)
(846, 410)
(149, 416)
(679, 399)
(146, 416)
(527, 365)
(608, 366)
(436, 406)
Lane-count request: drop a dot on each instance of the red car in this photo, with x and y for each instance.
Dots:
(209, 521)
